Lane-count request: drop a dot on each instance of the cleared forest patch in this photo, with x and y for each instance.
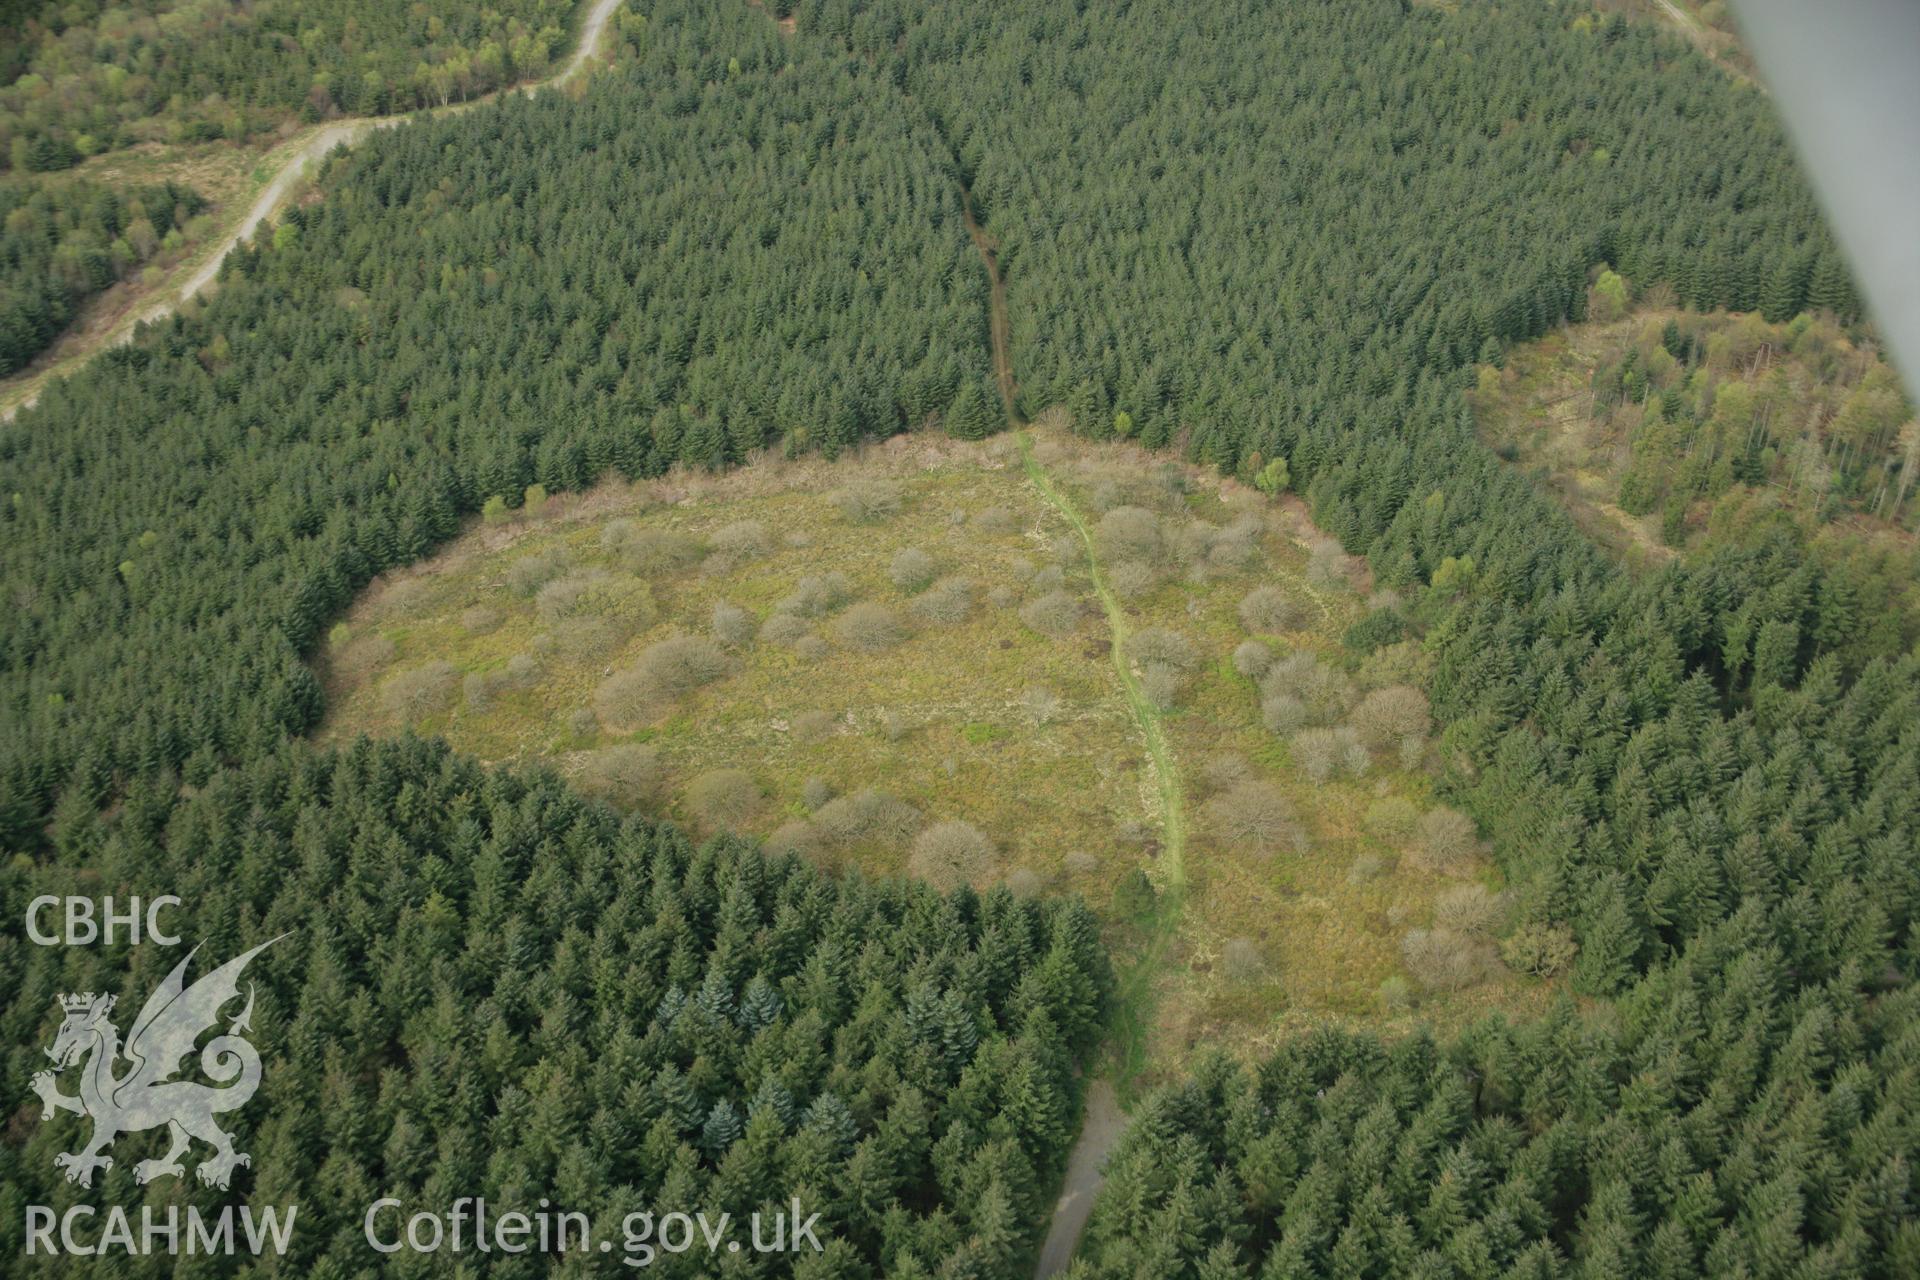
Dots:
(899, 663)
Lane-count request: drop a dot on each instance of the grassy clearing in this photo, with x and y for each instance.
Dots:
(768, 649)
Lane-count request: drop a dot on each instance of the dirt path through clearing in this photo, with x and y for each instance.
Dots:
(1100, 1132)
(316, 146)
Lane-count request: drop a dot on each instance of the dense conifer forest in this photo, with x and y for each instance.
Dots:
(488, 986)
(77, 79)
(1248, 232)
(60, 245)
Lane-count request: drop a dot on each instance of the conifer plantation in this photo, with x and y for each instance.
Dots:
(1251, 234)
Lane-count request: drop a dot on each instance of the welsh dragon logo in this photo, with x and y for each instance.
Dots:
(146, 1096)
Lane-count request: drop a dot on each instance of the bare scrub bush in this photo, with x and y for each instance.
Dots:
(476, 693)
(1283, 714)
(1066, 549)
(1130, 533)
(1386, 717)
(1241, 961)
(1324, 754)
(417, 692)
(951, 854)
(1396, 995)
(1050, 578)
(480, 620)
(626, 775)
(1042, 705)
(912, 570)
(815, 792)
(594, 593)
(1236, 547)
(868, 815)
(733, 545)
(1539, 949)
(1468, 909)
(1225, 772)
(1324, 691)
(1326, 564)
(1256, 815)
(1267, 610)
(528, 574)
(656, 551)
(1392, 818)
(1440, 960)
(1163, 685)
(360, 657)
(1053, 614)
(995, 520)
(521, 672)
(1003, 597)
(1131, 579)
(1445, 840)
(811, 647)
(1081, 863)
(784, 629)
(869, 501)
(1161, 646)
(1022, 882)
(614, 535)
(947, 602)
(870, 628)
(725, 799)
(731, 625)
(817, 595)
(1251, 659)
(664, 671)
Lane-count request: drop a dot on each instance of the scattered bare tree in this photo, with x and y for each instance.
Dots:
(1392, 818)
(1440, 960)
(1328, 753)
(815, 792)
(1366, 868)
(736, 544)
(1540, 949)
(1023, 883)
(476, 693)
(1081, 863)
(997, 520)
(731, 625)
(1041, 705)
(420, 691)
(665, 670)
(811, 726)
(870, 628)
(1283, 714)
(951, 854)
(1445, 840)
(1468, 909)
(1224, 772)
(817, 595)
(869, 501)
(866, 815)
(947, 602)
(1386, 717)
(1324, 691)
(912, 570)
(1054, 614)
(724, 798)
(1130, 533)
(1266, 610)
(1251, 659)
(653, 551)
(626, 775)
(784, 629)
(531, 572)
(1257, 815)
(1131, 579)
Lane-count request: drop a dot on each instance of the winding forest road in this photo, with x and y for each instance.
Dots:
(273, 197)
